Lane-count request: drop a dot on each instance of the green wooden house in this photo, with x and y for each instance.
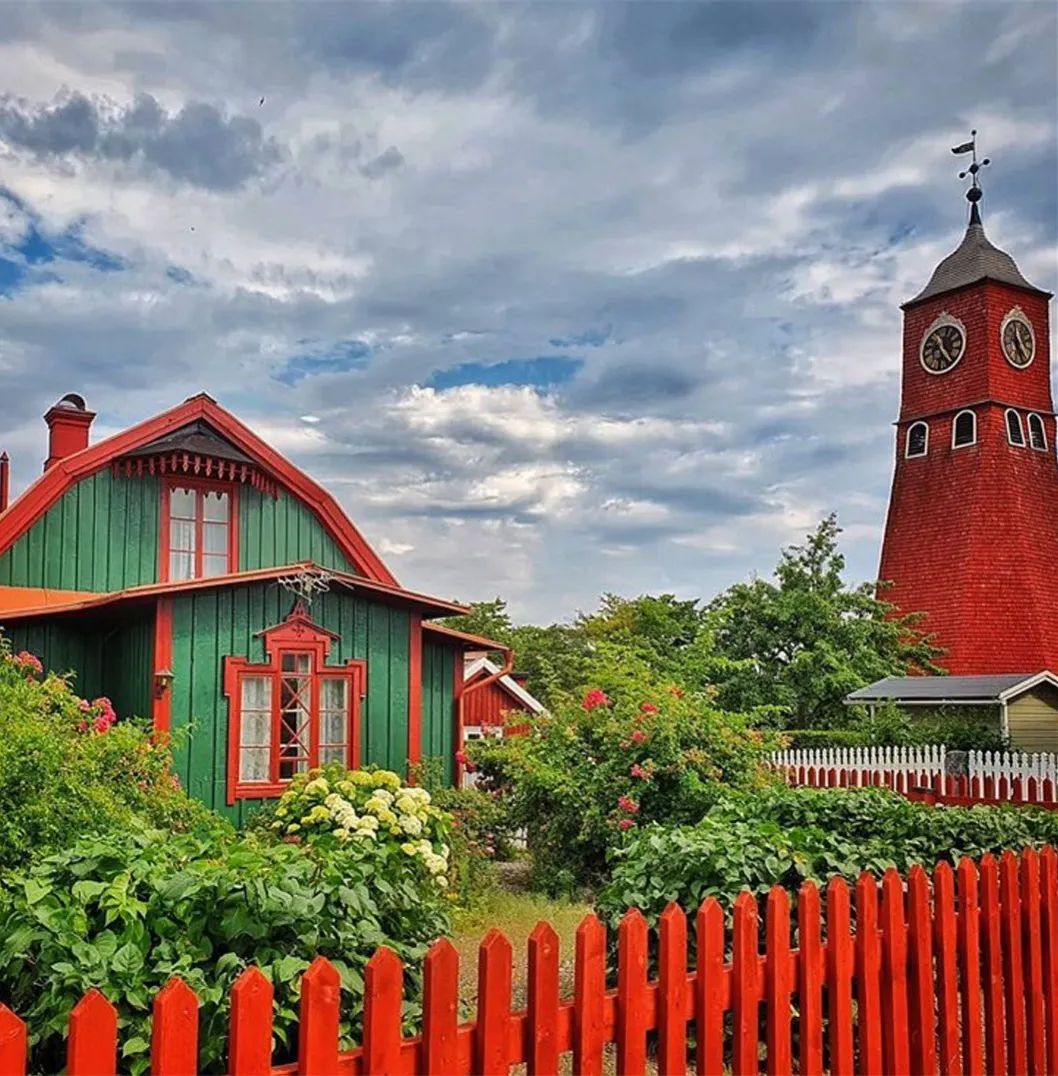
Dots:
(193, 575)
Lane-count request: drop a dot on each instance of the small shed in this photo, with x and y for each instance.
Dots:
(1025, 704)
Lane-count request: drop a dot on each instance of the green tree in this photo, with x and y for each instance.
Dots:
(803, 640)
(489, 619)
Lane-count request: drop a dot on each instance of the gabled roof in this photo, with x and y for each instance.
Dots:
(950, 690)
(508, 683)
(23, 512)
(976, 258)
(16, 602)
(470, 642)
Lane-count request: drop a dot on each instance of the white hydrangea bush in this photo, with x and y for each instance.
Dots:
(366, 807)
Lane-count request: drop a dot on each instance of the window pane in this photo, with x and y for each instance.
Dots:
(333, 754)
(182, 503)
(916, 439)
(253, 764)
(1037, 437)
(333, 693)
(181, 566)
(1014, 428)
(965, 428)
(181, 534)
(215, 506)
(332, 728)
(212, 564)
(257, 693)
(215, 538)
(256, 729)
(294, 662)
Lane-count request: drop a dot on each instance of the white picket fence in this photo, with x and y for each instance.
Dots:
(923, 764)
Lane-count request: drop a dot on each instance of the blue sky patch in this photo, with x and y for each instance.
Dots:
(335, 358)
(543, 372)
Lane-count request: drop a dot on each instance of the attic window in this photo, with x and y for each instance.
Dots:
(917, 440)
(1015, 434)
(1037, 434)
(197, 529)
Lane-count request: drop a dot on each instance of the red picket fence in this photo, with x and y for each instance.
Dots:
(954, 974)
(956, 791)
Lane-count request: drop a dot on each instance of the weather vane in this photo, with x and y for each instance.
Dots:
(974, 194)
(306, 584)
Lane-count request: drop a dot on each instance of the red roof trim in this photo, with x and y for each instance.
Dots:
(42, 494)
(430, 606)
(471, 642)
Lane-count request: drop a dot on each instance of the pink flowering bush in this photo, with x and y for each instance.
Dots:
(616, 758)
(69, 766)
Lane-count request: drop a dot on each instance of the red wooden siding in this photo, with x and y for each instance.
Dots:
(957, 972)
(489, 705)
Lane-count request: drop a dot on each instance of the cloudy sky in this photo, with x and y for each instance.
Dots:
(557, 298)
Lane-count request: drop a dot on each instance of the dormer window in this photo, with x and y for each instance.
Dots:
(1037, 433)
(917, 443)
(964, 430)
(1015, 434)
(197, 530)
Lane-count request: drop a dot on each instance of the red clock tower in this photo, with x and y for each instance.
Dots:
(971, 537)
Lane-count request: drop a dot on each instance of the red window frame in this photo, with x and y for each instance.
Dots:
(297, 635)
(200, 487)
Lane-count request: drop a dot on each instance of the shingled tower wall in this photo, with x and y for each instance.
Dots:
(971, 537)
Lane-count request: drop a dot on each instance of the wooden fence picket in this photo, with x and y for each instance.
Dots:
(1013, 963)
(318, 1019)
(840, 965)
(589, 997)
(922, 993)
(780, 983)
(632, 994)
(93, 1045)
(672, 992)
(1049, 925)
(894, 975)
(250, 1050)
(14, 1043)
(494, 1005)
(709, 992)
(440, 1008)
(991, 944)
(541, 1046)
(945, 925)
(174, 1031)
(868, 977)
(1030, 910)
(811, 972)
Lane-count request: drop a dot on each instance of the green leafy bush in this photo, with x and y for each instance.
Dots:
(787, 835)
(964, 728)
(127, 911)
(812, 738)
(581, 779)
(66, 767)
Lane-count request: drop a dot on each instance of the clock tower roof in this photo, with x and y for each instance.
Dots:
(975, 259)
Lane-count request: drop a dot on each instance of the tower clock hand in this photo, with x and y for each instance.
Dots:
(943, 350)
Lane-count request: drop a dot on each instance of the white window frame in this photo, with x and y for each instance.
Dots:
(908, 454)
(1038, 419)
(1021, 428)
(955, 426)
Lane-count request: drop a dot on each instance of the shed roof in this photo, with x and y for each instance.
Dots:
(475, 665)
(950, 690)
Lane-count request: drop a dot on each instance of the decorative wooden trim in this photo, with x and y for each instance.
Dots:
(414, 688)
(297, 634)
(162, 705)
(40, 496)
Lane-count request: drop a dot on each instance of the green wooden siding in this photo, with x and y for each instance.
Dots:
(107, 658)
(438, 711)
(208, 625)
(100, 535)
(283, 530)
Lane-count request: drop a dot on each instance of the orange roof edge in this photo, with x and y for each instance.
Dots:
(36, 601)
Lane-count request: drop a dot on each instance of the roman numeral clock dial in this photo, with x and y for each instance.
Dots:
(1017, 338)
(943, 345)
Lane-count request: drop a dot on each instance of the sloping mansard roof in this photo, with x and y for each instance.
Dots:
(976, 258)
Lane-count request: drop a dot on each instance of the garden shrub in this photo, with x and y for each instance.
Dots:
(126, 911)
(783, 836)
(820, 738)
(581, 779)
(68, 767)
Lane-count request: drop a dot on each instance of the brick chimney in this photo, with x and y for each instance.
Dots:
(68, 424)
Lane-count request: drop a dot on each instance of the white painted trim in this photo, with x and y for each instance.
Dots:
(1017, 314)
(907, 441)
(954, 424)
(1021, 429)
(1045, 677)
(1043, 431)
(509, 683)
(939, 322)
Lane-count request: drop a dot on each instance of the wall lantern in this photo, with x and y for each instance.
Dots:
(163, 680)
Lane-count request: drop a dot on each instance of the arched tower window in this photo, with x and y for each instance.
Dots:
(1037, 434)
(964, 429)
(917, 443)
(1015, 434)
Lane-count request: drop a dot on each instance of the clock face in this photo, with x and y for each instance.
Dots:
(943, 346)
(1019, 343)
